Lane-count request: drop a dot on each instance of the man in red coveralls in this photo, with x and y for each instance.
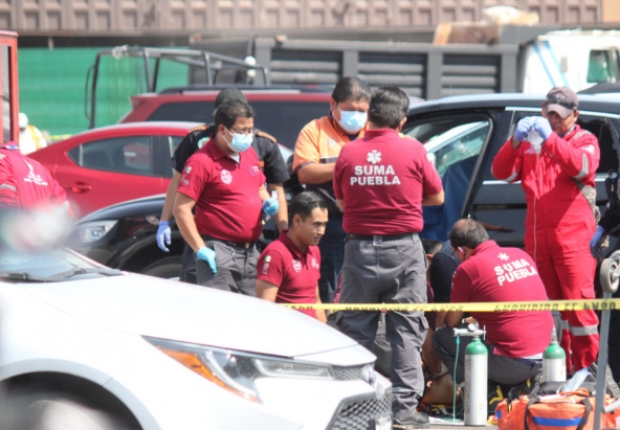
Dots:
(288, 270)
(26, 184)
(558, 179)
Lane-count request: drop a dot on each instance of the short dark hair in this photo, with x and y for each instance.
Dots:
(351, 88)
(228, 112)
(228, 95)
(388, 107)
(468, 232)
(431, 246)
(304, 203)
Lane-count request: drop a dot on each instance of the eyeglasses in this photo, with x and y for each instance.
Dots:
(245, 131)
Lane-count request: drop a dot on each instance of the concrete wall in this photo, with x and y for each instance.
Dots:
(35, 16)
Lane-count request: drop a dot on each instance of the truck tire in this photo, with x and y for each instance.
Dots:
(168, 268)
(51, 410)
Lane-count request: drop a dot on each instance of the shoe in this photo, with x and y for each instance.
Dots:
(419, 420)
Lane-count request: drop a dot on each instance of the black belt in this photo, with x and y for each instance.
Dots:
(243, 245)
(383, 238)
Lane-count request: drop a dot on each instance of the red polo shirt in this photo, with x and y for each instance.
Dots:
(494, 274)
(382, 179)
(228, 206)
(296, 273)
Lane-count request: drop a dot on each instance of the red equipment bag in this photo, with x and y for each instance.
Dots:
(564, 411)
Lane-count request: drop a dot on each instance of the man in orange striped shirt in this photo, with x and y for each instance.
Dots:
(316, 151)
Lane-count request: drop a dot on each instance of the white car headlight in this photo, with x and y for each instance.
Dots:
(93, 231)
(237, 371)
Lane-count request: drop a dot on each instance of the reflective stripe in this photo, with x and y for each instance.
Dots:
(10, 187)
(584, 331)
(556, 422)
(584, 167)
(564, 325)
(511, 177)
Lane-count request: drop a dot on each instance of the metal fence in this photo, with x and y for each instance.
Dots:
(197, 15)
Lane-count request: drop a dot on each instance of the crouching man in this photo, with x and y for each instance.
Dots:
(288, 270)
(489, 273)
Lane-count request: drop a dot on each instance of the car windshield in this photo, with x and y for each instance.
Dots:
(52, 266)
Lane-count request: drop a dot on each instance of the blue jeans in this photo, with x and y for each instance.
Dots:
(332, 254)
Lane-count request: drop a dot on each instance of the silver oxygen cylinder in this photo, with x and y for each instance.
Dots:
(476, 376)
(554, 361)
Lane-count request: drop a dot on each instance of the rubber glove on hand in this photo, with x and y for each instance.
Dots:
(163, 235)
(271, 206)
(523, 127)
(542, 127)
(208, 255)
(596, 247)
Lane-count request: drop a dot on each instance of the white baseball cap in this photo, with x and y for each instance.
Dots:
(22, 120)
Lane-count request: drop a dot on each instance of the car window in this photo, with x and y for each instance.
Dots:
(131, 155)
(448, 141)
(601, 66)
(607, 140)
(283, 120)
(172, 142)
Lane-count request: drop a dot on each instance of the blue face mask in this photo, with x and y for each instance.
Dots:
(240, 142)
(352, 121)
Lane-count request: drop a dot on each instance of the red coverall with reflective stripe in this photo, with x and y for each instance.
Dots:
(559, 224)
(26, 184)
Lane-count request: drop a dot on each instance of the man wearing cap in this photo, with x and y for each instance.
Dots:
(557, 170)
(30, 138)
(272, 163)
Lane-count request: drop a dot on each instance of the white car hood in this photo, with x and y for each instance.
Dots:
(160, 308)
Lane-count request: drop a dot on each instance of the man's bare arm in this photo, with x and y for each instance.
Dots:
(453, 318)
(316, 173)
(266, 290)
(281, 218)
(183, 206)
(433, 200)
(171, 192)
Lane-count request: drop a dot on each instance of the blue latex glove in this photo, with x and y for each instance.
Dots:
(163, 235)
(271, 206)
(208, 255)
(596, 248)
(523, 127)
(542, 127)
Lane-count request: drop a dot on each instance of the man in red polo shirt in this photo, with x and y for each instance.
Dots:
(288, 270)
(381, 183)
(488, 273)
(225, 183)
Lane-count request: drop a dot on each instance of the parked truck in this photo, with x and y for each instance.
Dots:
(512, 58)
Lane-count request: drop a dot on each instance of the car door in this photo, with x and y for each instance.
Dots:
(454, 142)
(110, 170)
(501, 206)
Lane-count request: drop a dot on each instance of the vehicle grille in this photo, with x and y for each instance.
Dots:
(358, 414)
(348, 373)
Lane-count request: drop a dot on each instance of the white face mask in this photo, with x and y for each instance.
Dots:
(352, 121)
(240, 142)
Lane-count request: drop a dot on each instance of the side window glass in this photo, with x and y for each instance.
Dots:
(173, 143)
(601, 67)
(608, 141)
(451, 141)
(131, 155)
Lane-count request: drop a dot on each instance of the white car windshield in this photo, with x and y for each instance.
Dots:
(53, 266)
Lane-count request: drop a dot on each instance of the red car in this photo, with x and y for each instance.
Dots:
(281, 112)
(112, 164)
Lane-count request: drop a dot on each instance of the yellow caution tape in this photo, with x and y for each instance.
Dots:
(547, 305)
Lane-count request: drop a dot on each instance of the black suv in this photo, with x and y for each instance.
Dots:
(462, 132)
